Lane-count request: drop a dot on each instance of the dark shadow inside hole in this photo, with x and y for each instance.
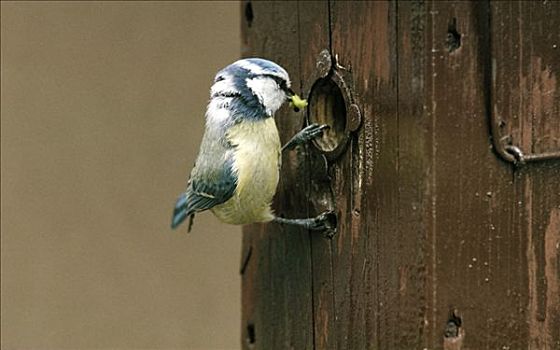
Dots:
(453, 325)
(453, 40)
(251, 333)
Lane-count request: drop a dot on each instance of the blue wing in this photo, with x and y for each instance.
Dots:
(209, 186)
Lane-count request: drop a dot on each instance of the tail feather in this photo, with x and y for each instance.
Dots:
(180, 211)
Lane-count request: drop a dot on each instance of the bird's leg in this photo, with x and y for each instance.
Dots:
(325, 221)
(305, 135)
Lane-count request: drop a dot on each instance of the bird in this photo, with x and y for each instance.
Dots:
(237, 169)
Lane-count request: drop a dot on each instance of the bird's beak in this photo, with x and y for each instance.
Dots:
(297, 102)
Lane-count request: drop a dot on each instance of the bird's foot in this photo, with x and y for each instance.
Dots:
(325, 222)
(305, 135)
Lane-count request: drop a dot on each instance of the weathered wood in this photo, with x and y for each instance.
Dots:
(525, 46)
(414, 167)
(364, 261)
(471, 239)
(442, 243)
(525, 53)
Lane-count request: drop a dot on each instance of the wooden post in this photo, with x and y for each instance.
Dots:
(447, 193)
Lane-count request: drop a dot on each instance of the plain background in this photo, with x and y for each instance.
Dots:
(102, 114)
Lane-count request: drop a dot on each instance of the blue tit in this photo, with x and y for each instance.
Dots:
(237, 169)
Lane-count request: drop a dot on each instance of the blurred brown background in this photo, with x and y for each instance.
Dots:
(102, 113)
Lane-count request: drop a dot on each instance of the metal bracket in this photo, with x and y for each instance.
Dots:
(512, 153)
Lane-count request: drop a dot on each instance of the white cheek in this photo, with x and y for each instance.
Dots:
(277, 98)
(215, 115)
(223, 86)
(268, 93)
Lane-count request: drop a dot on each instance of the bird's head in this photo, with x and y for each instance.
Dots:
(260, 82)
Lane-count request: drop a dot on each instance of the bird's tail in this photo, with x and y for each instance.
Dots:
(180, 211)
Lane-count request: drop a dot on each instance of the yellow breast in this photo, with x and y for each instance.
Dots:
(257, 163)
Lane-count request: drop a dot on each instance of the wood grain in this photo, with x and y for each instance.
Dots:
(441, 243)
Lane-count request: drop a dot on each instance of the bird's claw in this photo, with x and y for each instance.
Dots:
(326, 222)
(312, 131)
(305, 135)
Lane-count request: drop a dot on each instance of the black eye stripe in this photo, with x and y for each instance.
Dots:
(281, 82)
(274, 77)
